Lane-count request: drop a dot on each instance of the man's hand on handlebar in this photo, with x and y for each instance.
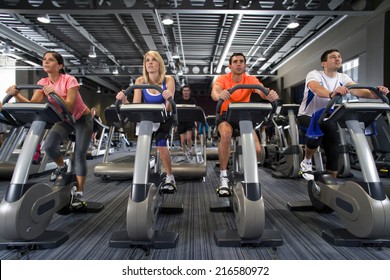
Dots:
(224, 95)
(272, 96)
(383, 89)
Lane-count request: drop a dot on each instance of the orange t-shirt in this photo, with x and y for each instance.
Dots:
(240, 95)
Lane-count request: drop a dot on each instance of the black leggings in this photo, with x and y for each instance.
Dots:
(330, 141)
(58, 134)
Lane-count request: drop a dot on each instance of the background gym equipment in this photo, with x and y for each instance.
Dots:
(196, 167)
(121, 168)
(289, 152)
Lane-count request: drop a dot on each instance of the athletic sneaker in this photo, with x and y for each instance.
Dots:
(223, 190)
(57, 172)
(307, 170)
(77, 201)
(169, 186)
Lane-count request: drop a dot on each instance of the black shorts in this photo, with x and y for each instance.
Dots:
(222, 118)
(182, 127)
(164, 130)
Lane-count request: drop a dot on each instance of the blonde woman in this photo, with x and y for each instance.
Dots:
(154, 74)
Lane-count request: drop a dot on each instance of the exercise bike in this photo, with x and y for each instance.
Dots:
(246, 200)
(27, 208)
(363, 206)
(146, 200)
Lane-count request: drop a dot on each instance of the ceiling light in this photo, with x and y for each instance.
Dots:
(80, 82)
(44, 18)
(167, 20)
(92, 53)
(98, 90)
(6, 49)
(115, 71)
(293, 23)
(175, 54)
(261, 56)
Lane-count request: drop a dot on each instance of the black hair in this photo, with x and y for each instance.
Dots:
(185, 86)
(59, 59)
(236, 54)
(324, 56)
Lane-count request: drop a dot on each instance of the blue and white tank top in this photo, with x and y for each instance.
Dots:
(154, 98)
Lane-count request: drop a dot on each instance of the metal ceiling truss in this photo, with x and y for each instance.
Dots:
(246, 7)
(251, 27)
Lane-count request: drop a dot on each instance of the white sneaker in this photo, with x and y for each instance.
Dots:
(307, 170)
(77, 201)
(169, 186)
(223, 190)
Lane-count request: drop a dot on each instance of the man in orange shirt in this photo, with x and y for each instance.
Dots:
(237, 65)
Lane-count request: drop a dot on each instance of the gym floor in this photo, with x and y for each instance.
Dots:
(89, 234)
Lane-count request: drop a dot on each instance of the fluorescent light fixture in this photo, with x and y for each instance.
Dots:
(7, 49)
(92, 53)
(175, 54)
(293, 23)
(44, 18)
(167, 20)
(262, 57)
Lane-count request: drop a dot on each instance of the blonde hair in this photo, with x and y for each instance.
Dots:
(161, 72)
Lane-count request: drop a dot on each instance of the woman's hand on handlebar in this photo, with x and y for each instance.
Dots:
(166, 94)
(47, 90)
(121, 96)
(12, 91)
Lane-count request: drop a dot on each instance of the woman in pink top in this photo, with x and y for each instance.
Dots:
(66, 88)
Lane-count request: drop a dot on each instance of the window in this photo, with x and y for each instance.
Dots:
(351, 68)
(7, 73)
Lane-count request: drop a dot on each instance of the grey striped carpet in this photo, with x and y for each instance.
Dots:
(89, 234)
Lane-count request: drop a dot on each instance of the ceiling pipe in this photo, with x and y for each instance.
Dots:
(132, 38)
(89, 37)
(180, 37)
(226, 47)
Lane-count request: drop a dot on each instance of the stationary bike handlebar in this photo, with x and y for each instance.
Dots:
(371, 88)
(129, 91)
(339, 96)
(59, 102)
(243, 86)
(20, 87)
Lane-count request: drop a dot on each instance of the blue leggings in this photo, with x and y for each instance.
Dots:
(58, 134)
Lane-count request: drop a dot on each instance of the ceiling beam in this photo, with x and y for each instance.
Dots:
(188, 7)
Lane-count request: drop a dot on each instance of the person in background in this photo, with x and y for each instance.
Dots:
(184, 129)
(96, 127)
(66, 88)
(237, 65)
(320, 87)
(154, 74)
